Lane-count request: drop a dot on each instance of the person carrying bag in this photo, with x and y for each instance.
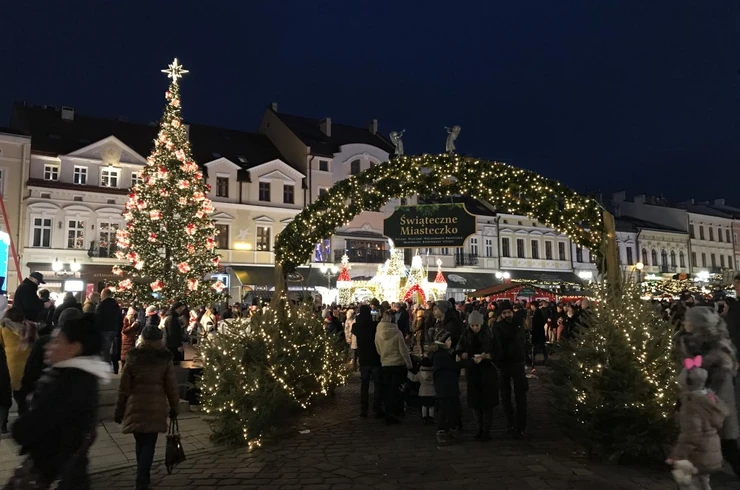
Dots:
(174, 453)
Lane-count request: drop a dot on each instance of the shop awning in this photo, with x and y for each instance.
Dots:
(545, 277)
(255, 276)
(466, 280)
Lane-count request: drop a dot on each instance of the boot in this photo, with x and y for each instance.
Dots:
(4, 411)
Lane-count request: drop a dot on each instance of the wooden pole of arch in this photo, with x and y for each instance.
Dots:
(612, 252)
(280, 287)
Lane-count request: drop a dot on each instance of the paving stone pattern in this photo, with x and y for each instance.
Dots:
(343, 451)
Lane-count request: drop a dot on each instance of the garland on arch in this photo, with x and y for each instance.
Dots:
(506, 188)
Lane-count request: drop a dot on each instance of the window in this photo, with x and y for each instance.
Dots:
(474, 246)
(322, 191)
(729, 261)
(107, 238)
(222, 239)
(681, 259)
(354, 167)
(520, 248)
(505, 250)
(45, 195)
(80, 175)
(579, 254)
(263, 238)
(561, 250)
(288, 194)
(77, 198)
(719, 234)
(714, 260)
(136, 179)
(489, 247)
(548, 250)
(727, 236)
(644, 257)
(222, 187)
(264, 192)
(404, 201)
(324, 165)
(535, 249)
(693, 259)
(691, 231)
(630, 258)
(701, 232)
(663, 258)
(722, 261)
(75, 234)
(654, 257)
(703, 259)
(51, 172)
(42, 232)
(109, 177)
(110, 201)
(445, 251)
(711, 234)
(673, 258)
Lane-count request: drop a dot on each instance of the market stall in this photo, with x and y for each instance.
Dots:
(514, 292)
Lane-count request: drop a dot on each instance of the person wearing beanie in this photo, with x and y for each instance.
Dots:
(59, 427)
(477, 348)
(143, 405)
(449, 320)
(704, 333)
(130, 333)
(394, 361)
(447, 388)
(510, 358)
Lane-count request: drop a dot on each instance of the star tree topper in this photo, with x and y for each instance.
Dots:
(175, 71)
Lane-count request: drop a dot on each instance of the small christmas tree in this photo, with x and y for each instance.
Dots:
(417, 272)
(344, 283)
(613, 385)
(169, 238)
(439, 287)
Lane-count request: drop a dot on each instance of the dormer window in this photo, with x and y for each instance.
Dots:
(354, 167)
(51, 172)
(109, 177)
(136, 179)
(324, 165)
(80, 175)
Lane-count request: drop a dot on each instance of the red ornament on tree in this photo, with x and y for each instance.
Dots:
(157, 286)
(183, 267)
(192, 284)
(152, 237)
(155, 214)
(190, 229)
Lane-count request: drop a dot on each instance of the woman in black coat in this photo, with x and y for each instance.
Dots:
(476, 348)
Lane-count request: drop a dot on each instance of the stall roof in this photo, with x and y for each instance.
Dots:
(500, 289)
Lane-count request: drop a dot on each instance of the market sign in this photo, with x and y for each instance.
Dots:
(430, 225)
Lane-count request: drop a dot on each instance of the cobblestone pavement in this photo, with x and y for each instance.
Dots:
(343, 451)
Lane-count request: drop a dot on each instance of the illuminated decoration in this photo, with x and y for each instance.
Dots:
(438, 288)
(415, 292)
(506, 188)
(614, 384)
(169, 233)
(344, 283)
(278, 359)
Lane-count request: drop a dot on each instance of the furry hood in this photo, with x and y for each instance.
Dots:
(90, 364)
(387, 331)
(148, 354)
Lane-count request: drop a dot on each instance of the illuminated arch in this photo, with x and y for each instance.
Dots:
(506, 188)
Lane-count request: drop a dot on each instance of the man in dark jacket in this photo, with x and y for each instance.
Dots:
(47, 314)
(364, 331)
(26, 297)
(539, 324)
(511, 356)
(109, 322)
(402, 320)
(173, 332)
(69, 302)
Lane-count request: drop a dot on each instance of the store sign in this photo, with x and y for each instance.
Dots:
(74, 285)
(294, 277)
(430, 225)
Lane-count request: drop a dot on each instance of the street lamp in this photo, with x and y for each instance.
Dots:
(58, 267)
(328, 271)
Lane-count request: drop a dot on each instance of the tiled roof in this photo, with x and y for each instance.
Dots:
(630, 224)
(732, 211)
(53, 135)
(309, 131)
(703, 209)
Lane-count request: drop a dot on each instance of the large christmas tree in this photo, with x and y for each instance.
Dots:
(169, 239)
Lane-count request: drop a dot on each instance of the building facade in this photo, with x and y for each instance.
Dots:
(15, 151)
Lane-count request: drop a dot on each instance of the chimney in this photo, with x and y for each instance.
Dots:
(617, 210)
(719, 202)
(68, 114)
(373, 126)
(640, 199)
(620, 196)
(326, 126)
(273, 106)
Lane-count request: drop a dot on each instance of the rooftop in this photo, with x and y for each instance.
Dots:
(630, 224)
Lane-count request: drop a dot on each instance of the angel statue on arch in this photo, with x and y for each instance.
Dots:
(452, 134)
(396, 140)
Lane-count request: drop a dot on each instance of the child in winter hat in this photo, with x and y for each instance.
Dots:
(427, 395)
(698, 451)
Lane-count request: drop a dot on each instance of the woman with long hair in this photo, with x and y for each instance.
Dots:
(394, 361)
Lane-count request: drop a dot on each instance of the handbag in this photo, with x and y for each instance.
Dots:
(174, 453)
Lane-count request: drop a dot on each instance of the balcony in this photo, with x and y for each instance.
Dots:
(668, 269)
(363, 255)
(102, 250)
(463, 259)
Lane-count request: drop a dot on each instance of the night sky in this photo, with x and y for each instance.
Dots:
(601, 94)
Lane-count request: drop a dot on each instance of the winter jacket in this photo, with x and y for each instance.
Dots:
(172, 332)
(351, 339)
(539, 320)
(35, 365)
(701, 415)
(364, 330)
(26, 298)
(446, 373)
(90, 306)
(425, 378)
(452, 323)
(67, 303)
(402, 322)
(512, 339)
(62, 414)
(720, 361)
(129, 334)
(148, 390)
(16, 350)
(733, 324)
(482, 378)
(108, 316)
(429, 319)
(391, 346)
